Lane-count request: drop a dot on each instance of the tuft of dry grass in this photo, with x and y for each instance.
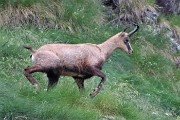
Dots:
(41, 15)
(52, 14)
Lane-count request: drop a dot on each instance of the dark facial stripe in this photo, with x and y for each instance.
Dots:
(128, 46)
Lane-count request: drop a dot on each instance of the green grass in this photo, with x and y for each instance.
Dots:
(173, 19)
(128, 93)
(151, 2)
(141, 86)
(71, 15)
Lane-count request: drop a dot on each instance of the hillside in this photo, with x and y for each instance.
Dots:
(141, 86)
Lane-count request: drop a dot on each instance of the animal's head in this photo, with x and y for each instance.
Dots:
(124, 39)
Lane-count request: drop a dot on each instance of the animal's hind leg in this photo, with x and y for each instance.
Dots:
(28, 73)
(53, 78)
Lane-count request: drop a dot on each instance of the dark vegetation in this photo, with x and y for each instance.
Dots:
(142, 86)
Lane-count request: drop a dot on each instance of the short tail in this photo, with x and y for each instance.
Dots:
(29, 48)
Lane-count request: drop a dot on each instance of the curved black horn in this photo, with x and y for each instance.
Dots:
(135, 29)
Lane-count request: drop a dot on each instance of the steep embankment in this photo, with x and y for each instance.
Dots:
(141, 86)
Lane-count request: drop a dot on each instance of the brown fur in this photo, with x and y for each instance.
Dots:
(80, 61)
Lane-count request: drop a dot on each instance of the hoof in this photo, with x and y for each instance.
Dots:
(36, 87)
(94, 93)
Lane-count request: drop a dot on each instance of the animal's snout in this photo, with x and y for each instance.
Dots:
(130, 51)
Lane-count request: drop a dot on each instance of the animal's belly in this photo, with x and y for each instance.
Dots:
(72, 74)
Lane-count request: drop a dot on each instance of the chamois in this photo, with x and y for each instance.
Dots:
(80, 61)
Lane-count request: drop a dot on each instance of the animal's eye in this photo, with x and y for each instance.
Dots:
(126, 40)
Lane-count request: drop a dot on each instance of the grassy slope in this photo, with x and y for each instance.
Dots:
(143, 86)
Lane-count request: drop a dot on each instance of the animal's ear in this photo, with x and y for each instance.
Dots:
(122, 34)
(125, 29)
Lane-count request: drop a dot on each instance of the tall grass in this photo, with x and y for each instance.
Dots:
(71, 15)
(143, 86)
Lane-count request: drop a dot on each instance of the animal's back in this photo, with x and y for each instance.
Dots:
(76, 54)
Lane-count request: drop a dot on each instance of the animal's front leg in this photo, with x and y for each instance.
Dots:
(98, 72)
(97, 89)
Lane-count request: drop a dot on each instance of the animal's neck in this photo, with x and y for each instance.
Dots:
(108, 47)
